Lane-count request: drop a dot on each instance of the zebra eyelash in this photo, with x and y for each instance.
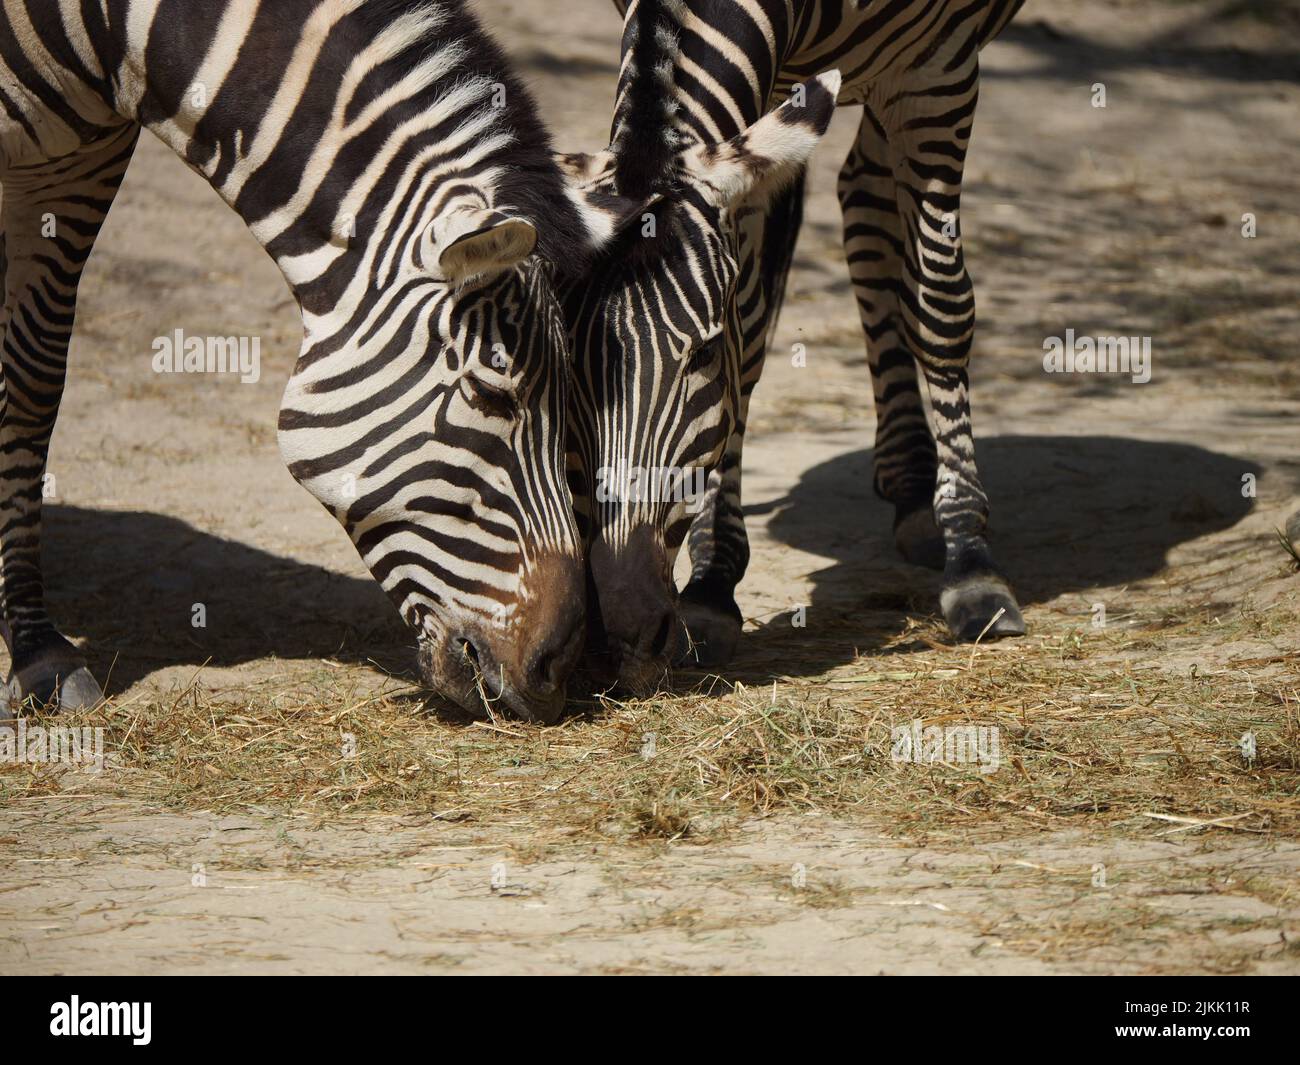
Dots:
(489, 399)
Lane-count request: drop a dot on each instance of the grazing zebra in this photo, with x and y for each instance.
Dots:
(702, 72)
(385, 157)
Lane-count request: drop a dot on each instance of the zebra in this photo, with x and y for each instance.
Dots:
(690, 326)
(385, 156)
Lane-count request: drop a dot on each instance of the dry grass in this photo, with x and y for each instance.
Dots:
(1292, 549)
(1092, 734)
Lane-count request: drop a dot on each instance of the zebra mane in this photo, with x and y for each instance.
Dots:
(644, 139)
(530, 182)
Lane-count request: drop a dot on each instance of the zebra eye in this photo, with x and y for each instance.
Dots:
(702, 354)
(488, 399)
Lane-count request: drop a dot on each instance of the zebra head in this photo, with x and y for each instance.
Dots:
(428, 407)
(658, 347)
(428, 416)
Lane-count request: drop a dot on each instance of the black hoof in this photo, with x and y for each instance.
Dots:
(971, 604)
(918, 539)
(55, 681)
(712, 629)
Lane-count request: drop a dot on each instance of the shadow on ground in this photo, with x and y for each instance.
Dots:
(1069, 514)
(128, 583)
(1191, 49)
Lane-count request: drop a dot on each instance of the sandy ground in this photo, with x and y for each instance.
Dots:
(1122, 220)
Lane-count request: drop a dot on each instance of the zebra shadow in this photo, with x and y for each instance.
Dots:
(1069, 514)
(127, 583)
(1193, 48)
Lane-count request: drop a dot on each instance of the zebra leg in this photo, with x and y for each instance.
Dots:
(718, 544)
(905, 462)
(719, 552)
(50, 216)
(928, 120)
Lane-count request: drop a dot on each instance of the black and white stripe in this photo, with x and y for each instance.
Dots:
(386, 158)
(704, 72)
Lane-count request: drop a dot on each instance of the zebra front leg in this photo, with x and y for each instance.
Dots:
(928, 124)
(719, 550)
(904, 460)
(976, 598)
(718, 543)
(50, 216)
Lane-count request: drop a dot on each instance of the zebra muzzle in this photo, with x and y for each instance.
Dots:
(520, 667)
(636, 628)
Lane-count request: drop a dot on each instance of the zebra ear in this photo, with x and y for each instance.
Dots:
(766, 157)
(469, 241)
(605, 215)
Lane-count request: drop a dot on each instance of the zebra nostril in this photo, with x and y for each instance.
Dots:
(553, 663)
(469, 652)
(659, 646)
(546, 672)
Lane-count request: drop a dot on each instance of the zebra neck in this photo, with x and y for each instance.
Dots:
(337, 129)
(740, 66)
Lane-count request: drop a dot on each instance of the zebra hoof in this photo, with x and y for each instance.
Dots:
(970, 605)
(58, 685)
(918, 539)
(712, 632)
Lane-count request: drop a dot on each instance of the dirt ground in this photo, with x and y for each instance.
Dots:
(1089, 851)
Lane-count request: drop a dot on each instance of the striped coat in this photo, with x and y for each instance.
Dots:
(385, 156)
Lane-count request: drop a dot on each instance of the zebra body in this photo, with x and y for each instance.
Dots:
(385, 157)
(912, 65)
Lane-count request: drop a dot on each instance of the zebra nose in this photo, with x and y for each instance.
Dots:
(651, 635)
(555, 656)
(637, 608)
(549, 639)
